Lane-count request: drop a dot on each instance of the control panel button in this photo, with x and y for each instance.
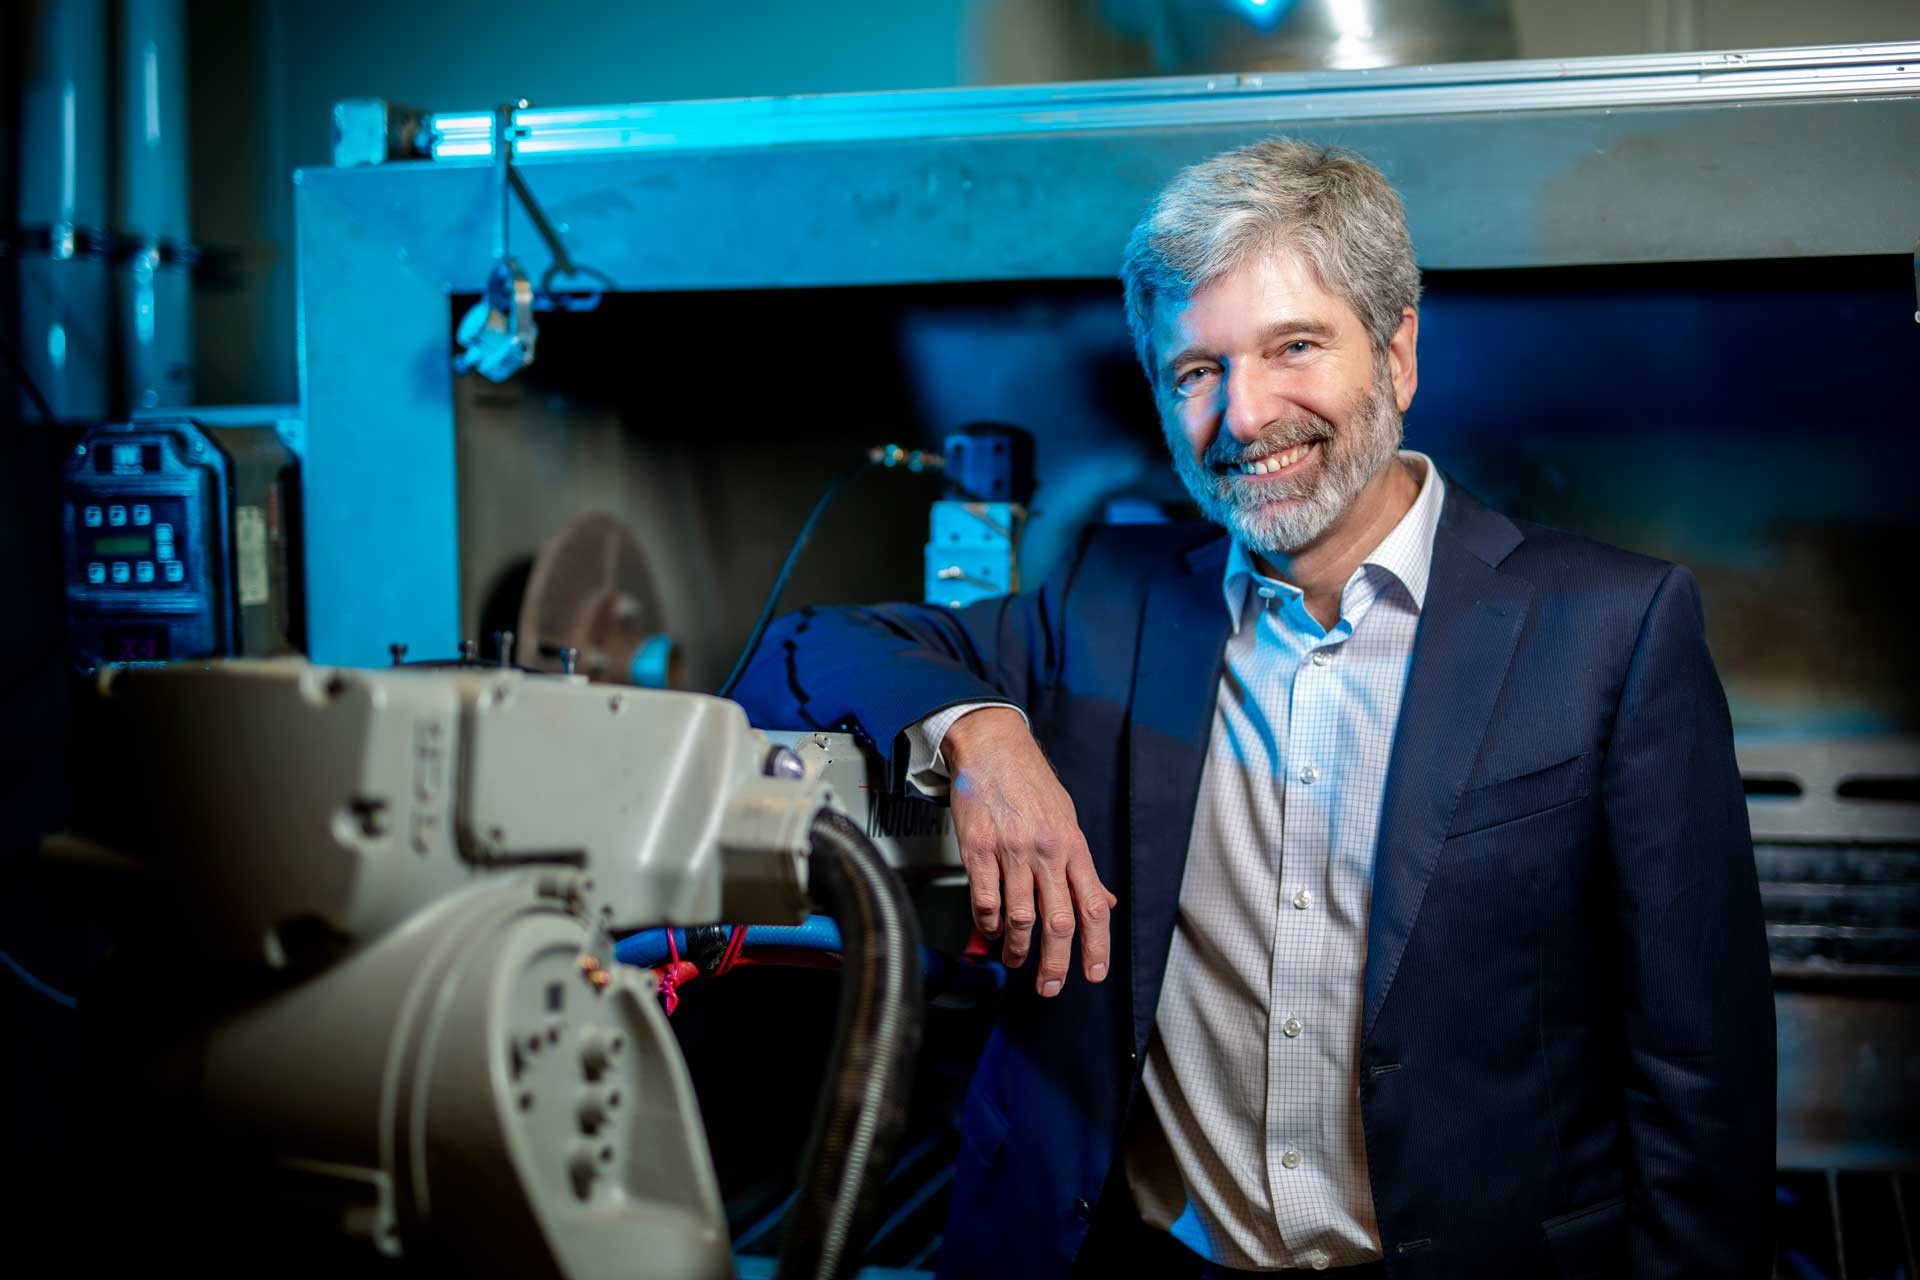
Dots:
(143, 571)
(116, 516)
(97, 572)
(142, 513)
(175, 571)
(163, 532)
(121, 571)
(91, 517)
(163, 551)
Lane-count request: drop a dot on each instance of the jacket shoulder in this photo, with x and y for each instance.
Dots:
(1594, 577)
(1545, 550)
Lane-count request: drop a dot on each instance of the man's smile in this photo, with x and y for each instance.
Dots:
(1286, 463)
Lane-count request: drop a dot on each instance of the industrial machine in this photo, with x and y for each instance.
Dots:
(398, 1007)
(182, 538)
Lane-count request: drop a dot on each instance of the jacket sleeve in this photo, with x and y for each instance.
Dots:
(1697, 994)
(875, 670)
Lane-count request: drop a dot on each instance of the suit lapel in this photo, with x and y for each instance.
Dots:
(1183, 637)
(1469, 627)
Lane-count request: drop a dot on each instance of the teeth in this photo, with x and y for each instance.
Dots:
(1278, 462)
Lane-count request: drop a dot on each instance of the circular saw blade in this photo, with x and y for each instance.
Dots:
(590, 590)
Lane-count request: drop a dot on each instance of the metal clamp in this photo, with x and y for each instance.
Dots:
(498, 333)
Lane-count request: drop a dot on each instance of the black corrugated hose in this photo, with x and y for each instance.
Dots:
(863, 1105)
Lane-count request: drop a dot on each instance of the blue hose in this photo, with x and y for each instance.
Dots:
(942, 972)
(649, 947)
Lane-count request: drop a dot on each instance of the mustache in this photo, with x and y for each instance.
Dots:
(1277, 438)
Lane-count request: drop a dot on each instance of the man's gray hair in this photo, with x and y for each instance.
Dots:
(1327, 203)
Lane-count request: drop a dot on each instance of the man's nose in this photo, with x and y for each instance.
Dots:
(1249, 408)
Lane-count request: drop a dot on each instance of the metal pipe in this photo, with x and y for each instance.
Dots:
(65, 332)
(156, 338)
(502, 178)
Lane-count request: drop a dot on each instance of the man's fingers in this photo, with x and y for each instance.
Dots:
(1056, 935)
(983, 885)
(1095, 907)
(1017, 881)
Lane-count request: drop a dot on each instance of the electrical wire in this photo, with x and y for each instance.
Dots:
(800, 541)
(736, 942)
(886, 456)
(35, 984)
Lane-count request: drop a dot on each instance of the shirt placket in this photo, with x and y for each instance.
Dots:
(1295, 1102)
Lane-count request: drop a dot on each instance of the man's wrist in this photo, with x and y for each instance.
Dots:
(976, 729)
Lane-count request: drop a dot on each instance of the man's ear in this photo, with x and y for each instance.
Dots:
(1403, 361)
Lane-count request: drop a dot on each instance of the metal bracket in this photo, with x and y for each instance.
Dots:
(498, 333)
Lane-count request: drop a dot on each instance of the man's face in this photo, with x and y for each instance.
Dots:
(1276, 408)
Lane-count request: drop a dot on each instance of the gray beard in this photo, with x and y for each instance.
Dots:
(1350, 458)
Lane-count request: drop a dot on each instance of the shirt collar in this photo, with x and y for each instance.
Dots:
(1406, 552)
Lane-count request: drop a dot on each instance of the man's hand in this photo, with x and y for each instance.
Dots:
(1027, 862)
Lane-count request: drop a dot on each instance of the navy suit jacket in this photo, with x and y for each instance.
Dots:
(1567, 1062)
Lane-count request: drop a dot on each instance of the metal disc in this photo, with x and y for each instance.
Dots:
(590, 590)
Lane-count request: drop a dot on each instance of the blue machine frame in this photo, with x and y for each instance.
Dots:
(1764, 154)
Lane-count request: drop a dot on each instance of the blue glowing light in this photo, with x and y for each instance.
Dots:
(1266, 14)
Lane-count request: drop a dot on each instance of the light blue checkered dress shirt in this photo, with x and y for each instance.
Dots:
(1253, 1070)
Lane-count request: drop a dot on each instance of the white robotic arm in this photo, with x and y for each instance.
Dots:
(416, 874)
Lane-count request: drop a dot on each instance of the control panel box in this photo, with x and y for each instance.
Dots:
(181, 541)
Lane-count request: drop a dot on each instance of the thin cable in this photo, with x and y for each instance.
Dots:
(51, 993)
(736, 942)
(786, 571)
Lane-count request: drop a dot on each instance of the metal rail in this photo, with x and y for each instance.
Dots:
(1766, 75)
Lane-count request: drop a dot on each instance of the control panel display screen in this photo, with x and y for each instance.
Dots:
(123, 545)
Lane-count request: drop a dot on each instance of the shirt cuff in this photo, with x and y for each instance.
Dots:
(926, 768)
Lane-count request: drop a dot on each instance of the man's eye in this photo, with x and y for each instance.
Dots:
(1299, 347)
(1192, 377)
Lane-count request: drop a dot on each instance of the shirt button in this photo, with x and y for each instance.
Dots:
(1303, 899)
(1267, 593)
(1310, 774)
(1318, 1259)
(1291, 1159)
(1320, 658)
(1081, 1209)
(1292, 1027)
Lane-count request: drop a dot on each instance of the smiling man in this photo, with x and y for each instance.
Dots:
(1402, 842)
